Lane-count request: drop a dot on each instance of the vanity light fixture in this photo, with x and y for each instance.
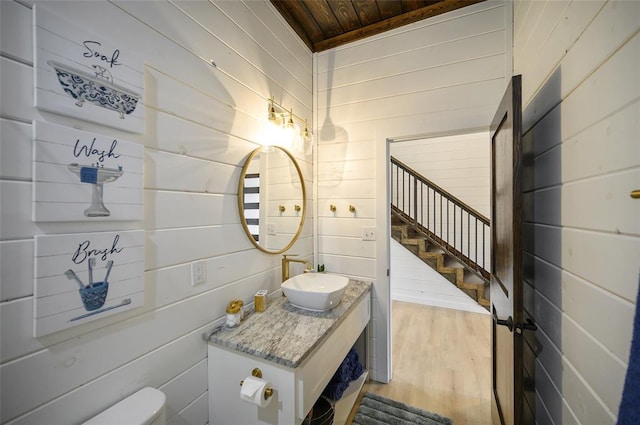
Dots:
(272, 133)
(290, 123)
(283, 129)
(290, 130)
(306, 134)
(272, 117)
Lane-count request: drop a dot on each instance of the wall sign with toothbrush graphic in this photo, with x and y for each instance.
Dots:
(83, 277)
(94, 294)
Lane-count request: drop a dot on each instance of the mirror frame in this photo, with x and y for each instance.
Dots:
(243, 219)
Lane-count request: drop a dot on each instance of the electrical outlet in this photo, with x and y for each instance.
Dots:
(198, 272)
(368, 233)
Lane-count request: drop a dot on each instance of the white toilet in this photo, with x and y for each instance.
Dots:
(145, 407)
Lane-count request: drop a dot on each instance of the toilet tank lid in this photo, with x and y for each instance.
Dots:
(140, 408)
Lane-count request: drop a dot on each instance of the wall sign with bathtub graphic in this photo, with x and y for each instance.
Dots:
(83, 75)
(86, 276)
(82, 176)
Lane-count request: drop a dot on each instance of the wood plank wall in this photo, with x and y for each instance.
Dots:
(581, 98)
(201, 122)
(438, 76)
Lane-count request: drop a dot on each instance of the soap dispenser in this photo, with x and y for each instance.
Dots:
(234, 314)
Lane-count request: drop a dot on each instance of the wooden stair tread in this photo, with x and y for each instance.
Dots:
(475, 286)
(409, 241)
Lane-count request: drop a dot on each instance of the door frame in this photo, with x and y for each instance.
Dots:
(387, 220)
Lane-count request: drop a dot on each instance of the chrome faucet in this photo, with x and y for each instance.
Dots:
(285, 265)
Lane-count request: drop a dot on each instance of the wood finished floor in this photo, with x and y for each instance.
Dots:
(441, 363)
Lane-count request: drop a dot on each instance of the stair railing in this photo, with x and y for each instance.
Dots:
(444, 219)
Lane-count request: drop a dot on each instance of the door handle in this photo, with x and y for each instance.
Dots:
(529, 326)
(508, 323)
(519, 327)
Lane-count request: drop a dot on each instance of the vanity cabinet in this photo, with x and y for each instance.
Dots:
(297, 381)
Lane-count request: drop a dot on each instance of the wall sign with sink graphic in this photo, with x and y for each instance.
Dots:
(82, 176)
(86, 276)
(82, 75)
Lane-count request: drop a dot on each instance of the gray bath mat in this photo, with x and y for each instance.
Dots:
(377, 410)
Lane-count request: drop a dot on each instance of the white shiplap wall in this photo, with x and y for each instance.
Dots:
(201, 122)
(437, 76)
(579, 62)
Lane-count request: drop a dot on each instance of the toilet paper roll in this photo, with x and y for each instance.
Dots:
(252, 391)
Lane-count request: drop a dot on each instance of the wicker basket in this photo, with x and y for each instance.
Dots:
(321, 414)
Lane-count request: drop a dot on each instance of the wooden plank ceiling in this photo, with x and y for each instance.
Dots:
(325, 24)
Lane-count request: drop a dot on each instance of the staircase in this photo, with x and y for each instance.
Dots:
(439, 229)
(468, 282)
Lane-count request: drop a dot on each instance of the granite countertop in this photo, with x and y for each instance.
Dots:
(285, 334)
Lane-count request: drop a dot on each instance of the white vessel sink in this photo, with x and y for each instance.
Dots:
(315, 291)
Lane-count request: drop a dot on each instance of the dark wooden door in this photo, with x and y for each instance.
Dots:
(506, 258)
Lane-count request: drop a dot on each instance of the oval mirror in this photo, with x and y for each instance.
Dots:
(271, 199)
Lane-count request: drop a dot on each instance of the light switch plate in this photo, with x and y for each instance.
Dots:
(368, 233)
(198, 272)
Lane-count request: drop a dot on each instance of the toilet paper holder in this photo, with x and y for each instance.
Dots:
(257, 373)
